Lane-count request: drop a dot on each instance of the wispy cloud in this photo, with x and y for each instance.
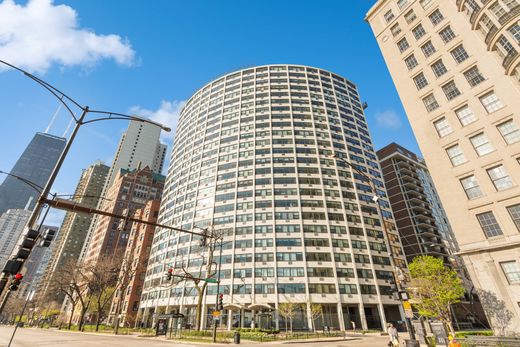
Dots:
(167, 114)
(388, 119)
(39, 34)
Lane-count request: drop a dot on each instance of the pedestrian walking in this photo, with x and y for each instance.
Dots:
(394, 336)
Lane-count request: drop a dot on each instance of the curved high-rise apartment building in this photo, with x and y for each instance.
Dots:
(252, 156)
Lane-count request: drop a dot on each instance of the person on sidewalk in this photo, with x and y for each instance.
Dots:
(394, 336)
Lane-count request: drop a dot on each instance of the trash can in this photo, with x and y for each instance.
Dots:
(236, 337)
(412, 343)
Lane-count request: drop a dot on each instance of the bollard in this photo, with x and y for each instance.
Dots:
(412, 343)
(236, 338)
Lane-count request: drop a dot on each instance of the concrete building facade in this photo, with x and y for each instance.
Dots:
(75, 226)
(456, 68)
(252, 159)
(12, 223)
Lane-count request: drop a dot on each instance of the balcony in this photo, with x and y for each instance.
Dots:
(510, 15)
(509, 59)
(491, 34)
(474, 15)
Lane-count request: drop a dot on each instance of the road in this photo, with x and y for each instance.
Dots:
(32, 337)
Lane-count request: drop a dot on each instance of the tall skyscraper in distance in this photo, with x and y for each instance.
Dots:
(12, 223)
(420, 218)
(252, 159)
(140, 143)
(35, 165)
(456, 68)
(75, 226)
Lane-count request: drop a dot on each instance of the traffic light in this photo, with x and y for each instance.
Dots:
(169, 274)
(47, 237)
(28, 242)
(220, 305)
(16, 282)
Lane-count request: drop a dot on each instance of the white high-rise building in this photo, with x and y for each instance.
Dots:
(252, 158)
(12, 223)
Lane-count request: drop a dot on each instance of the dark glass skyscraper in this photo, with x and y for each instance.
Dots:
(35, 165)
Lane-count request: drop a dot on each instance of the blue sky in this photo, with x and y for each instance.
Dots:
(148, 56)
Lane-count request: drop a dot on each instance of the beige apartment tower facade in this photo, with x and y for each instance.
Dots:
(455, 64)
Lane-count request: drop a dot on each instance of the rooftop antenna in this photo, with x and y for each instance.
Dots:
(68, 127)
(53, 118)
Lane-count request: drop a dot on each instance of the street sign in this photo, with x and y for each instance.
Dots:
(407, 309)
(216, 313)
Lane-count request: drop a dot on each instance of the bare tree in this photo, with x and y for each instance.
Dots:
(11, 309)
(127, 272)
(316, 311)
(102, 277)
(203, 256)
(288, 310)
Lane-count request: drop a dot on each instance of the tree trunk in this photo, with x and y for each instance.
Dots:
(71, 316)
(82, 317)
(98, 316)
(198, 320)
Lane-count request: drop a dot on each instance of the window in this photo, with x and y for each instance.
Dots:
(403, 45)
(500, 177)
(465, 115)
(459, 54)
(447, 34)
(396, 29)
(491, 102)
(420, 81)
(428, 49)
(450, 90)
(443, 127)
(456, 156)
(410, 16)
(514, 212)
(411, 62)
(430, 102)
(515, 31)
(436, 17)
(471, 187)
(418, 32)
(511, 270)
(489, 224)
(509, 131)
(389, 15)
(439, 68)
(497, 10)
(425, 3)
(505, 47)
(473, 76)
(402, 3)
(481, 144)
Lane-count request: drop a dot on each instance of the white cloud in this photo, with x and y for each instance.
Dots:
(167, 114)
(388, 119)
(40, 34)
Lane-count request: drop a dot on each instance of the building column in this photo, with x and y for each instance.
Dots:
(362, 317)
(341, 320)
(309, 317)
(230, 320)
(382, 317)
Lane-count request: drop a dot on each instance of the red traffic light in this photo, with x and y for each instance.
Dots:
(18, 277)
(221, 296)
(170, 270)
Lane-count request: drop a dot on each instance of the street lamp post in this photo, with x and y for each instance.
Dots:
(375, 199)
(79, 121)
